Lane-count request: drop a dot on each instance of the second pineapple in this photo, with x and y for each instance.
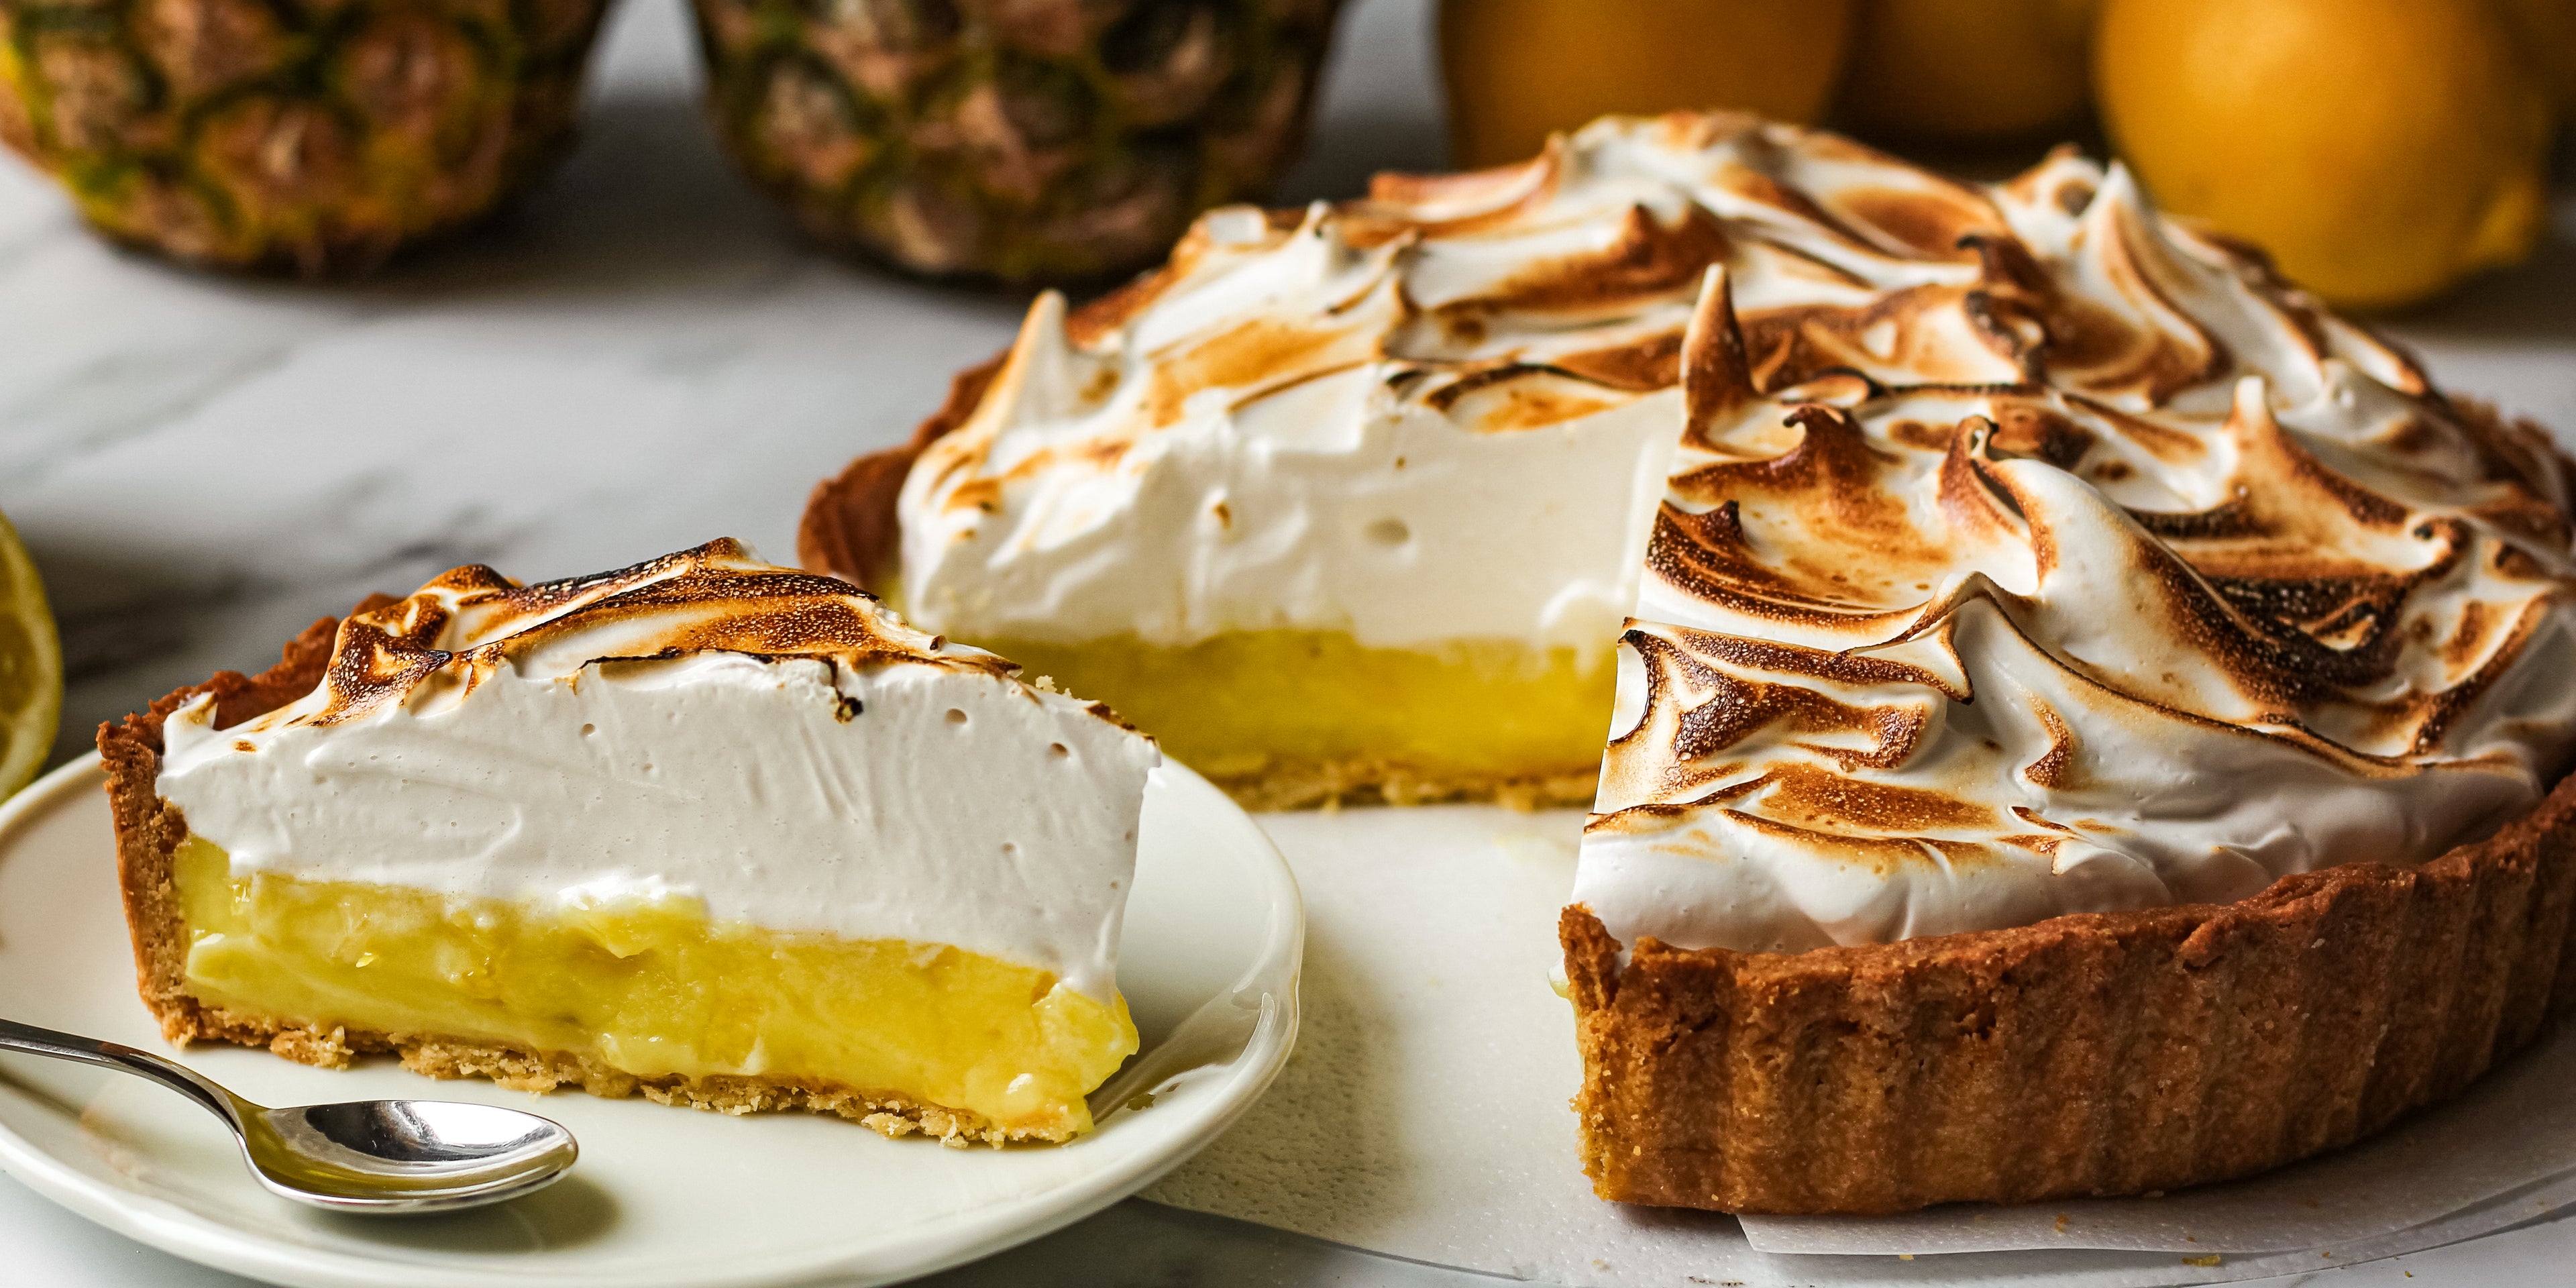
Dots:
(1024, 141)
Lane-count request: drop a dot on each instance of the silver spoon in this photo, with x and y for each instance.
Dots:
(363, 1156)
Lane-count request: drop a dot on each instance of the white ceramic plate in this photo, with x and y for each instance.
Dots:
(662, 1197)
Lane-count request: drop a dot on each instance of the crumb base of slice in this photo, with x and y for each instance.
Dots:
(1326, 784)
(889, 1113)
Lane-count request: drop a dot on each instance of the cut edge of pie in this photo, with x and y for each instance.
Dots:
(850, 530)
(150, 832)
(2092, 1054)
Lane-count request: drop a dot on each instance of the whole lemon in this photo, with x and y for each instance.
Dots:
(1520, 69)
(2381, 150)
(1967, 71)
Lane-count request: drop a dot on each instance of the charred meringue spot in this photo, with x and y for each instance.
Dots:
(1927, 222)
(2164, 349)
(2049, 183)
(1101, 453)
(1977, 508)
(1706, 557)
(2056, 768)
(1871, 221)
(1716, 372)
(2472, 638)
(2104, 351)
(1831, 476)
(1838, 843)
(1516, 397)
(1844, 668)
(2041, 433)
(1646, 261)
(1636, 367)
(2105, 321)
(978, 495)
(1705, 697)
(371, 668)
(714, 598)
(2028, 815)
(1718, 710)
(1819, 799)
(1261, 352)
(2268, 454)
(2431, 714)
(1917, 335)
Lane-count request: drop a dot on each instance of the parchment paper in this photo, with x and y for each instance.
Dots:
(1425, 1115)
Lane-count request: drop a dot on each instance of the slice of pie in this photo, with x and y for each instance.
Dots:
(2144, 772)
(727, 834)
(1350, 502)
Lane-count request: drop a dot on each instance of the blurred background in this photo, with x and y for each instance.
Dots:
(2382, 150)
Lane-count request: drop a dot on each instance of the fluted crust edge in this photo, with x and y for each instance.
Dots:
(2094, 1054)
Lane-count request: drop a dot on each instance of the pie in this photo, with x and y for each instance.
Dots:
(726, 834)
(2142, 769)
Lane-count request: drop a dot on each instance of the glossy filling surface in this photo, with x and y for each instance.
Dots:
(654, 988)
(1249, 702)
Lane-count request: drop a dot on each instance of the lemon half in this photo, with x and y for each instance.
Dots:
(31, 666)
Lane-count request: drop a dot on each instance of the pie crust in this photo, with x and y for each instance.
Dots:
(2092, 1054)
(850, 528)
(149, 830)
(1330, 784)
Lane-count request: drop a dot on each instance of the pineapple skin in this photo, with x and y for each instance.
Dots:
(306, 137)
(1024, 142)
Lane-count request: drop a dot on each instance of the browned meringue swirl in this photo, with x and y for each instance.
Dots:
(712, 598)
(2098, 570)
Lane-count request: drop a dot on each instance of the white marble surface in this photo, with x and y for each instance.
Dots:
(641, 358)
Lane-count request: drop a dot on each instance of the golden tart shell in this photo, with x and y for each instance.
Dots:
(2093, 1054)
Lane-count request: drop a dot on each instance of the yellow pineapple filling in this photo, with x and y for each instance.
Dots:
(654, 988)
(1246, 702)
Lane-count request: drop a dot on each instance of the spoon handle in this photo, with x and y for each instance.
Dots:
(30, 1040)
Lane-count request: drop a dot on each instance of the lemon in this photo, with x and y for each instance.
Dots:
(1520, 69)
(31, 666)
(2381, 150)
(1967, 71)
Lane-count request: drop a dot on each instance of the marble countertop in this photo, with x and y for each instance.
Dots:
(642, 357)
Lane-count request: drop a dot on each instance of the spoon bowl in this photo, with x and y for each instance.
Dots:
(379, 1156)
(405, 1155)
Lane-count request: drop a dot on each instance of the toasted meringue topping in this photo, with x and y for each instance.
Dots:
(1443, 411)
(2022, 553)
(2215, 591)
(774, 745)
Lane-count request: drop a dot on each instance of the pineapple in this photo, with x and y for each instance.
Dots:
(1026, 141)
(315, 137)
